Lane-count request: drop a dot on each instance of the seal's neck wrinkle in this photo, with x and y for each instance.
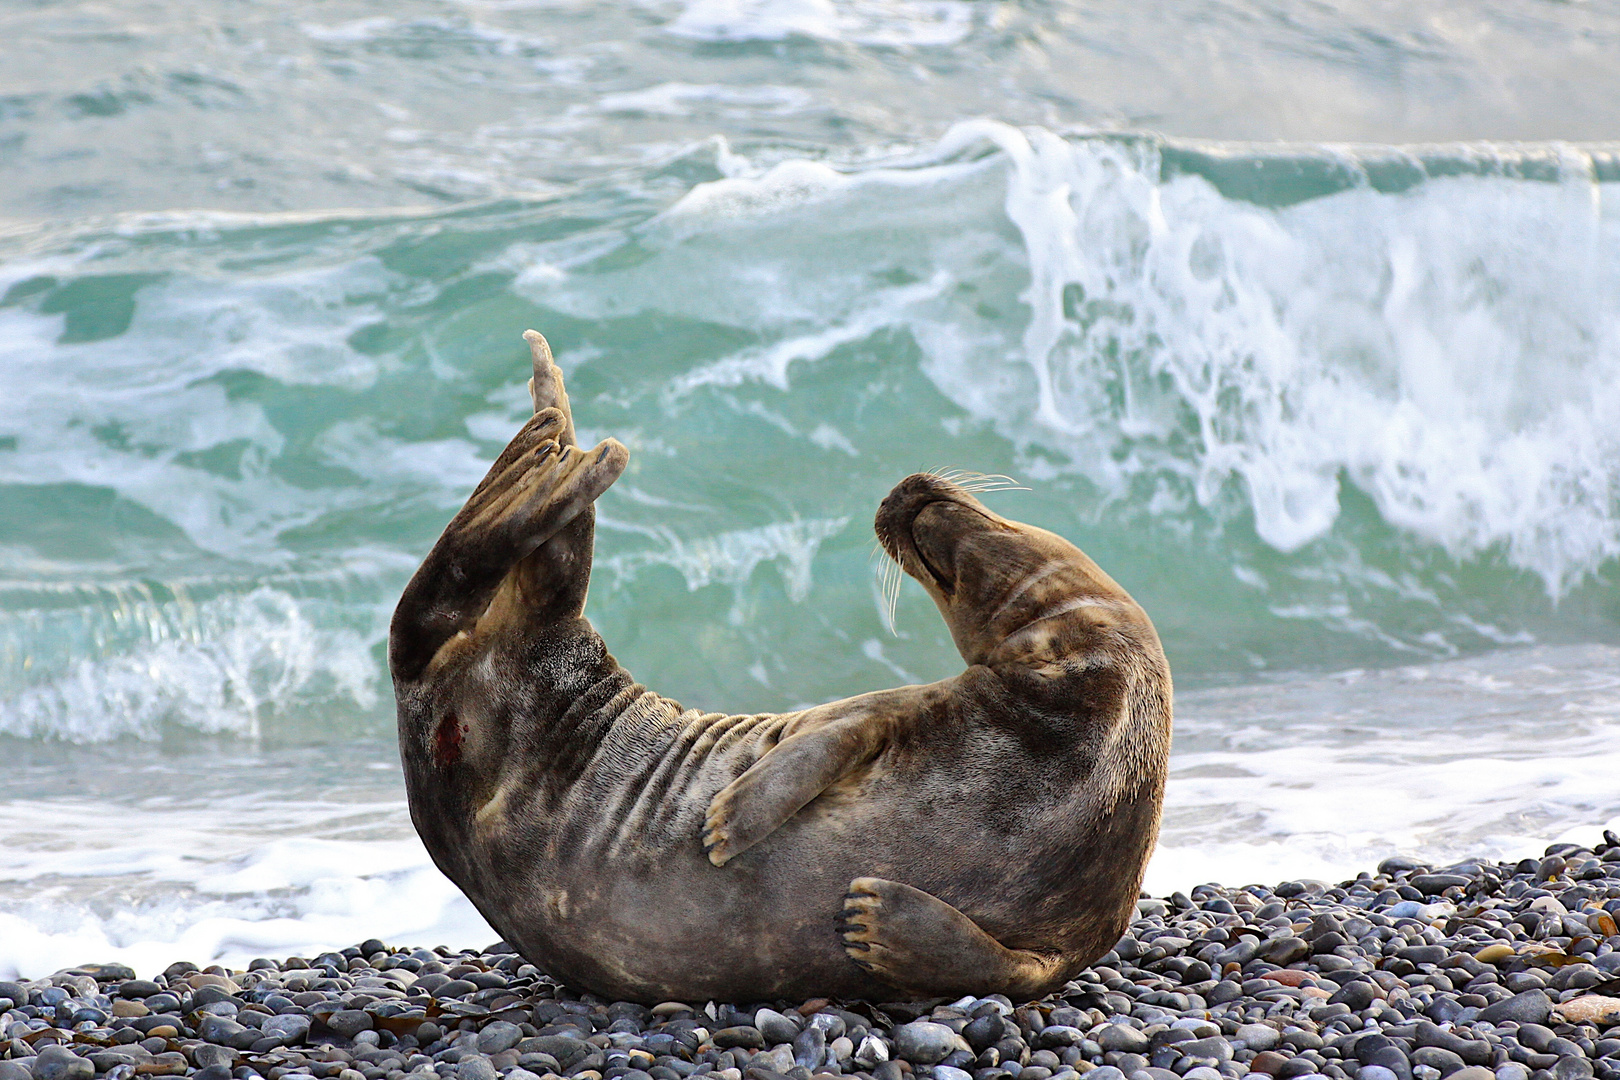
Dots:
(586, 688)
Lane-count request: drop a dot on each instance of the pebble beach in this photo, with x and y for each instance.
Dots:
(1472, 971)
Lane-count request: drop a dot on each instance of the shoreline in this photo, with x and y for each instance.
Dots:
(1473, 971)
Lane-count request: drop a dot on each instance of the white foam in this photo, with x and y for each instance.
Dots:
(224, 880)
(225, 665)
(683, 99)
(730, 557)
(1452, 350)
(1322, 777)
(890, 23)
(130, 414)
(383, 28)
(771, 363)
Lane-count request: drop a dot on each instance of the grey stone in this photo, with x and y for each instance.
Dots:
(497, 1036)
(539, 1062)
(1105, 1072)
(1215, 1047)
(1375, 1072)
(830, 1023)
(984, 1032)
(1057, 1036)
(15, 1070)
(1201, 1072)
(1259, 1036)
(349, 1022)
(565, 1048)
(294, 1027)
(1284, 950)
(775, 1026)
(60, 1063)
(1120, 1038)
(946, 1072)
(1530, 1007)
(922, 1042)
(1571, 1067)
(1473, 1072)
(1239, 952)
(745, 1036)
(810, 1047)
(219, 1029)
(107, 1060)
(206, 1054)
(1470, 1051)
(475, 1067)
(1513, 1070)
(1357, 995)
(1389, 1056)
(1435, 1058)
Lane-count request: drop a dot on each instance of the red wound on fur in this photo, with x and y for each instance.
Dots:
(447, 741)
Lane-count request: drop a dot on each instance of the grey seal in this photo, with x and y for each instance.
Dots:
(984, 833)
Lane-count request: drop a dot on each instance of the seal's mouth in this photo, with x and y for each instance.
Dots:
(934, 548)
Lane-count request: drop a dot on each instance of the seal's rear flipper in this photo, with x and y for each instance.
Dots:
(916, 942)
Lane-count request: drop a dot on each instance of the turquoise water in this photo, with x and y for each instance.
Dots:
(1313, 423)
(1303, 321)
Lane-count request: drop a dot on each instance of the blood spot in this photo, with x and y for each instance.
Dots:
(447, 741)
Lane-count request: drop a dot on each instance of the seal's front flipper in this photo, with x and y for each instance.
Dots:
(789, 776)
(537, 491)
(556, 483)
(546, 384)
(917, 943)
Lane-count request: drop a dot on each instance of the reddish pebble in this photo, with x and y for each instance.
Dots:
(1268, 1062)
(1286, 976)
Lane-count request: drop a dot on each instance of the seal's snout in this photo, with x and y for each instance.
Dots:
(900, 507)
(922, 522)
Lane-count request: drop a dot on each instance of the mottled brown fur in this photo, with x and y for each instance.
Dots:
(983, 833)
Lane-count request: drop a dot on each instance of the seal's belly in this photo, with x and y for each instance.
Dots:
(632, 881)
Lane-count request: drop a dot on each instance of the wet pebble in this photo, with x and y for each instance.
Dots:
(925, 1043)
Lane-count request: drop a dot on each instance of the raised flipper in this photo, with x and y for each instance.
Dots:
(537, 488)
(917, 943)
(546, 385)
(784, 780)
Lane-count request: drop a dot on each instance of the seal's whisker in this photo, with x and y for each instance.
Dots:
(891, 594)
(975, 483)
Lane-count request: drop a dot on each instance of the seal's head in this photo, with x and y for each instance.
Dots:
(1009, 592)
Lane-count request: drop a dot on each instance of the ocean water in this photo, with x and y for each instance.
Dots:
(1303, 321)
